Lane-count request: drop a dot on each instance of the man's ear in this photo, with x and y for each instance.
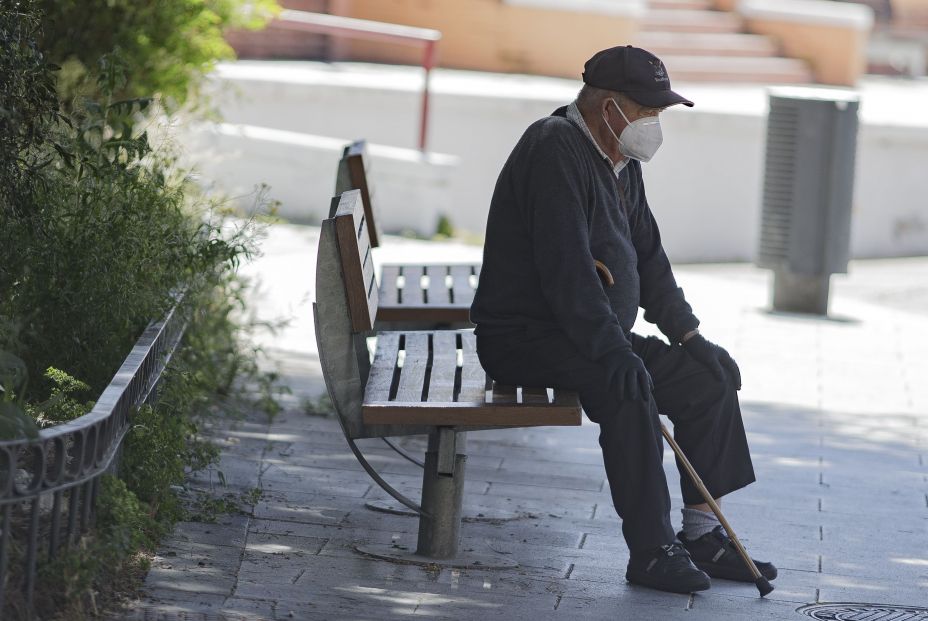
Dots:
(607, 109)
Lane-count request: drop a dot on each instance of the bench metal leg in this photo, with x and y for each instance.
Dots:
(439, 492)
(440, 523)
(442, 495)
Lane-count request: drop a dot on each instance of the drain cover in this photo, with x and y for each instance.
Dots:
(864, 612)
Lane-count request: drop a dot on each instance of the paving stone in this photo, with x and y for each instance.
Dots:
(192, 600)
(253, 609)
(305, 508)
(228, 532)
(201, 580)
(724, 607)
(791, 586)
(635, 603)
(361, 604)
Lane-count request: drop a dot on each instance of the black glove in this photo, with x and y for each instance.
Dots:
(629, 374)
(714, 357)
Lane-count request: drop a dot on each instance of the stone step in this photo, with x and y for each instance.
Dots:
(737, 69)
(707, 44)
(694, 5)
(691, 20)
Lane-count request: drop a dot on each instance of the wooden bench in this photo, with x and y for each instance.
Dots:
(419, 382)
(426, 295)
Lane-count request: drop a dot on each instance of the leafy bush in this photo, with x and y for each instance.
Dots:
(62, 404)
(28, 100)
(98, 234)
(167, 45)
(69, 586)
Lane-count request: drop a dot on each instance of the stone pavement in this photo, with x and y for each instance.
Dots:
(836, 411)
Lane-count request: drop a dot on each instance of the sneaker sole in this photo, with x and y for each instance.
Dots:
(727, 573)
(648, 581)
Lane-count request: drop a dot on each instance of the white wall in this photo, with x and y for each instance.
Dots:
(704, 185)
(412, 188)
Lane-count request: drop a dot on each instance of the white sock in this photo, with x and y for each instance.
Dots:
(697, 523)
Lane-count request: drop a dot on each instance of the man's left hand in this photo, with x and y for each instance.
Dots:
(714, 357)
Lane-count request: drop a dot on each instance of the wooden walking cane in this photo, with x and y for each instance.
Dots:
(762, 584)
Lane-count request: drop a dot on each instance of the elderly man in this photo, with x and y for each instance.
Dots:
(572, 250)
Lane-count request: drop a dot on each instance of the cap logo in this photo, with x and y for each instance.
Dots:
(660, 75)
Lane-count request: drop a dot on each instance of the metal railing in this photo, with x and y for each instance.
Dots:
(49, 485)
(321, 23)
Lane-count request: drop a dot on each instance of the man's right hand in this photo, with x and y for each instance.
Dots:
(627, 371)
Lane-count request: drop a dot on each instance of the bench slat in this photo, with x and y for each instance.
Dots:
(473, 377)
(381, 377)
(367, 267)
(353, 243)
(412, 288)
(439, 294)
(388, 291)
(423, 314)
(460, 285)
(354, 160)
(502, 415)
(444, 366)
(412, 376)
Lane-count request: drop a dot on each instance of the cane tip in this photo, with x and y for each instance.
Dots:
(763, 585)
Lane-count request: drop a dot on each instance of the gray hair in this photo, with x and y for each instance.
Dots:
(590, 97)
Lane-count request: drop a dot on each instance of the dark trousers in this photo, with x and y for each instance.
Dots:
(705, 413)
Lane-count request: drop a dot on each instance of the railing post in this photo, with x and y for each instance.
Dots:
(31, 553)
(340, 26)
(56, 526)
(428, 63)
(4, 552)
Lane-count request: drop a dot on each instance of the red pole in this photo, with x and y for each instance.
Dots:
(427, 63)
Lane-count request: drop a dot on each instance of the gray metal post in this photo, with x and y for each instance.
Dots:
(442, 495)
(800, 293)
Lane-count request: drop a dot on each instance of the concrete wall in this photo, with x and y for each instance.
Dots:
(510, 36)
(412, 190)
(704, 185)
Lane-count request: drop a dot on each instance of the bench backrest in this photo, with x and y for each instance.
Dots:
(353, 172)
(344, 312)
(354, 247)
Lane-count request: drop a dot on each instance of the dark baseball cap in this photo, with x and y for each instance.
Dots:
(635, 72)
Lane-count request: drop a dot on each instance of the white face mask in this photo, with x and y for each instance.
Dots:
(641, 138)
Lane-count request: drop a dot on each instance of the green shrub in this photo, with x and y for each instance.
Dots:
(28, 101)
(166, 45)
(445, 228)
(62, 404)
(97, 246)
(99, 234)
(78, 583)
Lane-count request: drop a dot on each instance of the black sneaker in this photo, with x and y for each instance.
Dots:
(667, 568)
(715, 553)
